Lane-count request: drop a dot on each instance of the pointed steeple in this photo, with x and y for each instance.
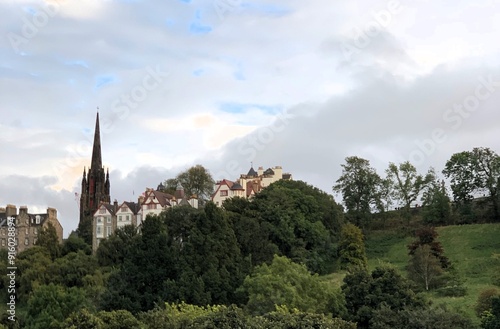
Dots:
(96, 163)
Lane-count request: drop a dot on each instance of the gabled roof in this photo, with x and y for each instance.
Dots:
(108, 206)
(163, 198)
(226, 182)
(133, 206)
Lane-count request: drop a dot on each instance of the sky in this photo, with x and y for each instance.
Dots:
(230, 83)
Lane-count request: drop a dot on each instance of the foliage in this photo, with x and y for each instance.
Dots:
(287, 283)
(298, 224)
(74, 243)
(472, 172)
(361, 187)
(407, 184)
(119, 319)
(491, 319)
(115, 249)
(418, 318)
(366, 292)
(436, 205)
(48, 239)
(82, 319)
(352, 247)
(424, 267)
(196, 180)
(283, 318)
(50, 305)
(428, 236)
(484, 300)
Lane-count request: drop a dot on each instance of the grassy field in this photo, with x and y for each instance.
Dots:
(469, 247)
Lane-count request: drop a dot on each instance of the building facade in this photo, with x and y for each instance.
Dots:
(109, 217)
(248, 184)
(28, 226)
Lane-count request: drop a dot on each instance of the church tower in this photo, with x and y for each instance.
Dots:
(95, 182)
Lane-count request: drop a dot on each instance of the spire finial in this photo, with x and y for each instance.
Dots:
(96, 163)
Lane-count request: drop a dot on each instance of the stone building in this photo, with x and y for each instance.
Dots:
(28, 226)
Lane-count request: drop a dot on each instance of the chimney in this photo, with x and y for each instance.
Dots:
(115, 206)
(11, 210)
(140, 200)
(260, 171)
(23, 210)
(52, 212)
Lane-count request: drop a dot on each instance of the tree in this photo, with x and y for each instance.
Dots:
(366, 292)
(352, 247)
(428, 236)
(83, 319)
(196, 181)
(74, 243)
(424, 267)
(286, 283)
(50, 305)
(473, 172)
(436, 204)
(48, 239)
(361, 188)
(407, 184)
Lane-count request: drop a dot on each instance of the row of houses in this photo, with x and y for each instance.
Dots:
(110, 217)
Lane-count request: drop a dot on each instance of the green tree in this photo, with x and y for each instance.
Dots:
(407, 184)
(287, 283)
(48, 239)
(352, 248)
(50, 305)
(361, 188)
(115, 249)
(473, 172)
(296, 220)
(197, 180)
(436, 205)
(139, 283)
(82, 319)
(74, 243)
(424, 267)
(119, 319)
(366, 292)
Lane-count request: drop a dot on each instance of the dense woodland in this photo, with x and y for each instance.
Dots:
(264, 263)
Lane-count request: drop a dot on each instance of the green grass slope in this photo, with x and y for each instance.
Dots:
(469, 248)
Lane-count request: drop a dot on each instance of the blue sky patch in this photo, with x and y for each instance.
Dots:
(103, 80)
(239, 108)
(198, 72)
(197, 27)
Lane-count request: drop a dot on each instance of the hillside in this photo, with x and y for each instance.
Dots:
(469, 247)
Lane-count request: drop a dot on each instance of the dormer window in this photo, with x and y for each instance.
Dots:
(102, 210)
(37, 219)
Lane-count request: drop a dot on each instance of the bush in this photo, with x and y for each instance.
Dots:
(483, 303)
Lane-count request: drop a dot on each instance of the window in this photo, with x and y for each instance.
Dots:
(37, 219)
(27, 231)
(128, 218)
(108, 219)
(35, 240)
(102, 210)
(99, 219)
(123, 209)
(3, 242)
(98, 230)
(120, 218)
(223, 193)
(26, 241)
(152, 206)
(27, 221)
(35, 231)
(108, 231)
(3, 231)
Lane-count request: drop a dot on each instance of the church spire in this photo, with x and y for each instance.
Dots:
(96, 163)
